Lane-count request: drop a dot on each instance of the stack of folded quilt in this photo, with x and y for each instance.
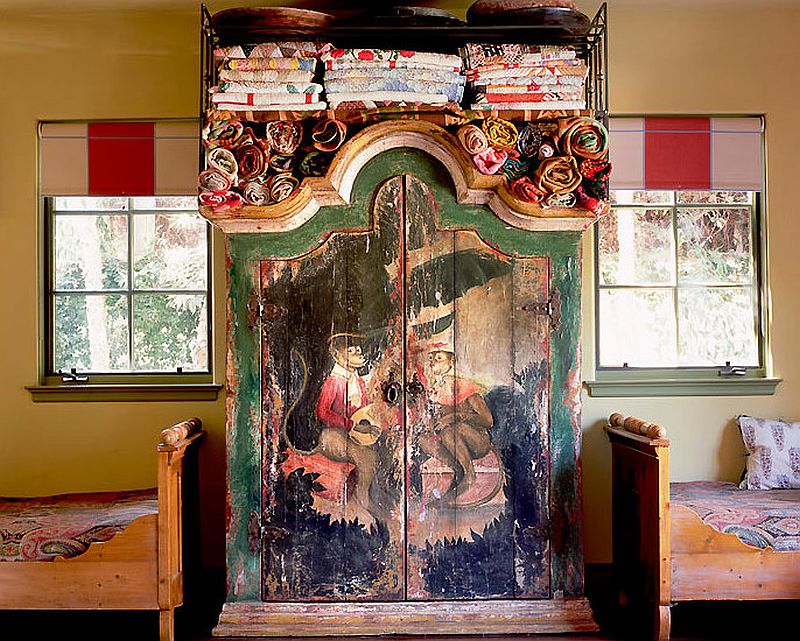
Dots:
(369, 78)
(521, 76)
(271, 76)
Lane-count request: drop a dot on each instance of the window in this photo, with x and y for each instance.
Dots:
(679, 272)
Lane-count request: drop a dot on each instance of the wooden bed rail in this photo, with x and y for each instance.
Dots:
(640, 516)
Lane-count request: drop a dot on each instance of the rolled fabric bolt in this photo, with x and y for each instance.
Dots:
(557, 175)
(315, 163)
(583, 137)
(219, 200)
(252, 161)
(595, 169)
(530, 140)
(282, 163)
(564, 201)
(214, 180)
(223, 160)
(472, 139)
(328, 135)
(546, 150)
(523, 189)
(594, 205)
(514, 167)
(227, 132)
(499, 132)
(284, 136)
(281, 186)
(255, 193)
(490, 161)
(232, 199)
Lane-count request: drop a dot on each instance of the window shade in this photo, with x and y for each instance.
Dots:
(687, 153)
(119, 158)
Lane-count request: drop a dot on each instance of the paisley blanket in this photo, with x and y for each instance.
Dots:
(759, 518)
(44, 528)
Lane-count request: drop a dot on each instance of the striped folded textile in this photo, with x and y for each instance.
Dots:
(362, 74)
(256, 99)
(269, 87)
(232, 106)
(567, 83)
(265, 75)
(254, 64)
(529, 106)
(454, 92)
(547, 71)
(389, 58)
(386, 97)
(280, 49)
(528, 97)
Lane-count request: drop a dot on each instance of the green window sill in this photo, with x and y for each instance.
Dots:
(630, 387)
(135, 392)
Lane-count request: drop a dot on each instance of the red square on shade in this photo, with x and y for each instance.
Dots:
(121, 130)
(677, 160)
(121, 166)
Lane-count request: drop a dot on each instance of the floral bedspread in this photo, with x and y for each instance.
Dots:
(43, 528)
(760, 518)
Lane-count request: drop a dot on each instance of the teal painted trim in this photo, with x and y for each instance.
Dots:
(123, 393)
(244, 435)
(683, 387)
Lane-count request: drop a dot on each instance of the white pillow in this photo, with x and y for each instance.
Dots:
(773, 449)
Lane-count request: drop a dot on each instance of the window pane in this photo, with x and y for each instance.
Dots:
(88, 203)
(715, 197)
(714, 246)
(170, 331)
(165, 202)
(169, 251)
(636, 247)
(91, 252)
(637, 327)
(91, 332)
(717, 325)
(631, 197)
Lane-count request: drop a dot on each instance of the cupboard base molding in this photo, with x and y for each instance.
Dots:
(260, 619)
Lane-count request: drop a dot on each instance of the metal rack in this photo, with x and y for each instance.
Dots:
(592, 46)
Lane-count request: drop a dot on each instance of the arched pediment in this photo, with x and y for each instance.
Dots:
(335, 188)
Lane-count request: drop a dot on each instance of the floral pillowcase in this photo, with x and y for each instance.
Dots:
(773, 449)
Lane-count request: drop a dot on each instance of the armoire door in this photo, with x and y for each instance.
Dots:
(405, 388)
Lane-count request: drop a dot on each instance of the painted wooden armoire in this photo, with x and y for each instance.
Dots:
(443, 495)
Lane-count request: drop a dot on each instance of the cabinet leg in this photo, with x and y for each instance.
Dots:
(166, 624)
(663, 623)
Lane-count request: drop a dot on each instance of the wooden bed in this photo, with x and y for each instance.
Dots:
(140, 568)
(665, 554)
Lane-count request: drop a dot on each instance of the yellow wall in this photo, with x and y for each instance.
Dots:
(106, 64)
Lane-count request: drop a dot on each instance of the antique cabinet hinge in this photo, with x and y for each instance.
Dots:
(550, 308)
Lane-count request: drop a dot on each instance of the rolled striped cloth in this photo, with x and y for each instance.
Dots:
(258, 99)
(453, 91)
(362, 74)
(340, 58)
(561, 200)
(523, 189)
(472, 139)
(270, 87)
(219, 200)
(545, 72)
(252, 161)
(282, 163)
(266, 75)
(480, 54)
(284, 136)
(515, 166)
(486, 98)
(223, 160)
(328, 135)
(529, 141)
(214, 180)
(222, 133)
(529, 106)
(510, 85)
(595, 205)
(583, 137)
(546, 150)
(335, 99)
(255, 193)
(279, 49)
(281, 186)
(256, 64)
(315, 163)
(490, 161)
(595, 169)
(289, 108)
(557, 175)
(499, 132)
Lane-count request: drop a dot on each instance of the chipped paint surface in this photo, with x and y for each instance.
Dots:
(536, 565)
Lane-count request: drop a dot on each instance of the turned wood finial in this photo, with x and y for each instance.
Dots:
(637, 426)
(180, 431)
